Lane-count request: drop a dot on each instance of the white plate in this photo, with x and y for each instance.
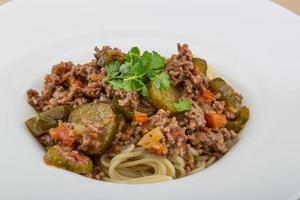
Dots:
(254, 45)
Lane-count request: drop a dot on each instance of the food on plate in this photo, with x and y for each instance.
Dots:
(135, 117)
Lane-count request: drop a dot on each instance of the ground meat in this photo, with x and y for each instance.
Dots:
(70, 84)
(174, 135)
(130, 134)
(129, 100)
(97, 173)
(46, 140)
(91, 141)
(227, 134)
(93, 90)
(35, 100)
(213, 140)
(183, 73)
(210, 141)
(193, 119)
(114, 53)
(218, 106)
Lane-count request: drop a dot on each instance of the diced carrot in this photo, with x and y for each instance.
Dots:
(207, 96)
(159, 148)
(140, 117)
(151, 141)
(215, 120)
(64, 134)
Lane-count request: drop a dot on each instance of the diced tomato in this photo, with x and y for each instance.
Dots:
(64, 134)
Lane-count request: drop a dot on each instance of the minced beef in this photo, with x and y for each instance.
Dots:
(128, 99)
(174, 135)
(193, 119)
(183, 73)
(212, 140)
(46, 140)
(69, 84)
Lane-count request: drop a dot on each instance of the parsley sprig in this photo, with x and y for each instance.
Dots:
(183, 105)
(137, 70)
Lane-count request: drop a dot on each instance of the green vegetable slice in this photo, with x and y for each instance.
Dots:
(64, 157)
(200, 64)
(163, 99)
(228, 95)
(149, 110)
(240, 120)
(47, 120)
(101, 113)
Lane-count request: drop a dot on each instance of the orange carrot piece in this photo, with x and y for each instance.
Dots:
(140, 117)
(207, 96)
(159, 148)
(215, 120)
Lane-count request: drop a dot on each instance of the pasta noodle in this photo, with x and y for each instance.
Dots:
(136, 165)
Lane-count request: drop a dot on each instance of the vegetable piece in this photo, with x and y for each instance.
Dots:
(151, 140)
(240, 120)
(163, 99)
(101, 113)
(137, 70)
(64, 157)
(183, 105)
(140, 117)
(126, 112)
(149, 109)
(108, 56)
(215, 120)
(207, 96)
(200, 64)
(63, 133)
(228, 95)
(161, 81)
(159, 148)
(47, 120)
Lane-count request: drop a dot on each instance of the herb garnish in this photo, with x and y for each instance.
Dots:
(137, 70)
(183, 105)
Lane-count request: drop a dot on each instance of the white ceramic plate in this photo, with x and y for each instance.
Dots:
(253, 45)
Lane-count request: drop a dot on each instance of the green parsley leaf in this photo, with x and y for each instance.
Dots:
(137, 70)
(125, 68)
(154, 62)
(183, 105)
(112, 70)
(133, 55)
(117, 84)
(158, 62)
(161, 81)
